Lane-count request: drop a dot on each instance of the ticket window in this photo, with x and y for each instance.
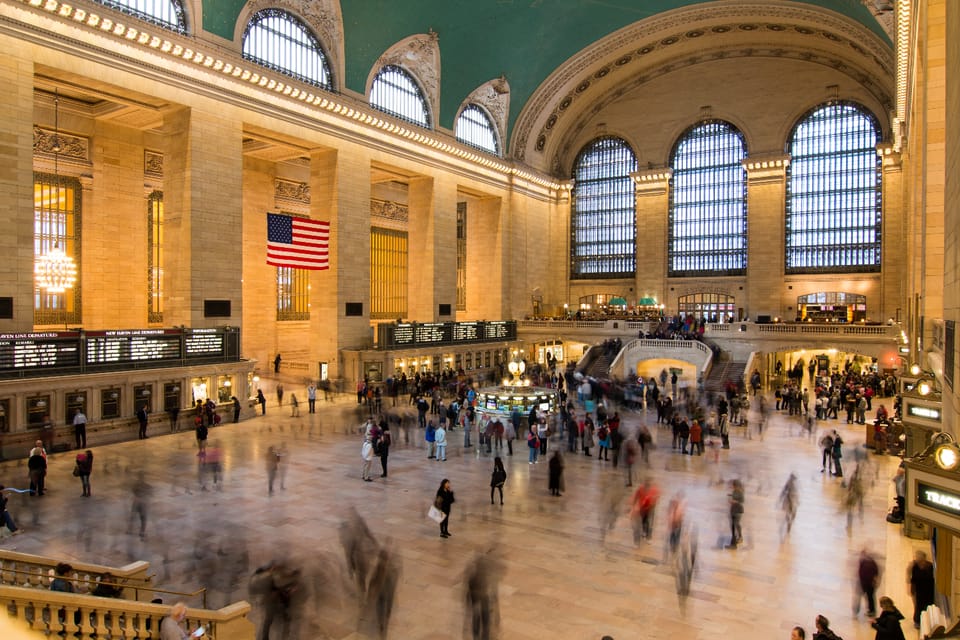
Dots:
(171, 396)
(486, 359)
(200, 388)
(225, 390)
(110, 404)
(143, 395)
(468, 360)
(458, 362)
(75, 401)
(5, 415)
(38, 408)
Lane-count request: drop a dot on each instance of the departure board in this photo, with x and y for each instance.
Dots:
(435, 332)
(466, 331)
(499, 330)
(203, 343)
(134, 345)
(403, 334)
(39, 350)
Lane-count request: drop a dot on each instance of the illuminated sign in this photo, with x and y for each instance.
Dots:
(923, 412)
(938, 499)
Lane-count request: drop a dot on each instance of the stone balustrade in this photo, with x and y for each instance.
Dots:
(87, 617)
(31, 571)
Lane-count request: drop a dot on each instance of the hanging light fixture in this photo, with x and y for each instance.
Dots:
(55, 271)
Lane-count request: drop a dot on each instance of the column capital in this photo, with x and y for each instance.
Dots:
(652, 181)
(767, 167)
(889, 156)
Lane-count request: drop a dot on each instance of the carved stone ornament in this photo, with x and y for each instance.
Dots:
(153, 163)
(494, 96)
(291, 191)
(838, 42)
(419, 55)
(322, 16)
(71, 147)
(391, 211)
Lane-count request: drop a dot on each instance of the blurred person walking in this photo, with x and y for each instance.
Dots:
(82, 469)
(555, 467)
(736, 500)
(868, 578)
(920, 579)
(5, 518)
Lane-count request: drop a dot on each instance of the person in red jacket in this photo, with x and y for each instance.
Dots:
(696, 438)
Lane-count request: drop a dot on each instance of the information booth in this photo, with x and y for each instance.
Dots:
(932, 502)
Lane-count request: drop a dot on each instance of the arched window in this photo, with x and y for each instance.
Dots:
(278, 40)
(603, 230)
(394, 91)
(707, 231)
(475, 128)
(833, 212)
(168, 14)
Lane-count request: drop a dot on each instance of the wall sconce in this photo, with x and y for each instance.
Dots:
(947, 456)
(145, 393)
(41, 404)
(227, 383)
(114, 395)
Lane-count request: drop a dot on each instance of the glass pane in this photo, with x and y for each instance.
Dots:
(166, 13)
(603, 217)
(833, 214)
(476, 129)
(279, 41)
(394, 92)
(708, 203)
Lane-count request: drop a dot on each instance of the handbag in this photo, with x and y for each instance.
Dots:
(436, 515)
(76, 470)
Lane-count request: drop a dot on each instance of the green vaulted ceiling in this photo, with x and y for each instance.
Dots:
(524, 40)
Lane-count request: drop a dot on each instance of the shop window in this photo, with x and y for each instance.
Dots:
(38, 408)
(225, 391)
(143, 395)
(74, 401)
(171, 396)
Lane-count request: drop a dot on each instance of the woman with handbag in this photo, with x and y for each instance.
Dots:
(83, 469)
(443, 502)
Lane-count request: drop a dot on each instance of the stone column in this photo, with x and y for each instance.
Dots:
(432, 236)
(652, 188)
(485, 258)
(203, 218)
(766, 293)
(16, 186)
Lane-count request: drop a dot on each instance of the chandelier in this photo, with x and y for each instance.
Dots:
(55, 271)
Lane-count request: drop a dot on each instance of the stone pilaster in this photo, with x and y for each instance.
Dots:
(652, 189)
(893, 251)
(766, 193)
(16, 186)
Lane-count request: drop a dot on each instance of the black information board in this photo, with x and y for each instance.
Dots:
(445, 333)
(134, 345)
(42, 350)
(203, 343)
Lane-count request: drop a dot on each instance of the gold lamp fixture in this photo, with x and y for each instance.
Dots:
(55, 271)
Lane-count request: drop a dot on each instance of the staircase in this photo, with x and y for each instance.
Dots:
(723, 369)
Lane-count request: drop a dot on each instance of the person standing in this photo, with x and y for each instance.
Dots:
(443, 501)
(84, 467)
(555, 467)
(80, 429)
(236, 409)
(696, 438)
(312, 398)
(441, 440)
(37, 468)
(533, 445)
(201, 431)
(383, 450)
(920, 579)
(736, 497)
(587, 434)
(276, 364)
(430, 437)
(280, 394)
(824, 632)
(837, 454)
(142, 421)
(174, 413)
(263, 402)
(497, 479)
(887, 623)
(366, 454)
(294, 406)
(47, 433)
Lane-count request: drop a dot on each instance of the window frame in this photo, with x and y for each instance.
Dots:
(310, 41)
(712, 238)
(389, 273)
(58, 308)
(155, 213)
(415, 94)
(835, 217)
(176, 8)
(485, 125)
(293, 294)
(611, 220)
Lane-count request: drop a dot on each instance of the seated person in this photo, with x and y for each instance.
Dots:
(107, 587)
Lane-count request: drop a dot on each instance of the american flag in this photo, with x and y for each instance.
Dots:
(299, 243)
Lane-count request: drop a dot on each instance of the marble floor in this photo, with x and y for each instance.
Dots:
(563, 578)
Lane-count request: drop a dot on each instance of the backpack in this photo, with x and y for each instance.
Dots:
(602, 434)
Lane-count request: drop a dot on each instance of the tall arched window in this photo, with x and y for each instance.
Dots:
(475, 128)
(833, 213)
(278, 40)
(707, 231)
(168, 14)
(603, 229)
(394, 91)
